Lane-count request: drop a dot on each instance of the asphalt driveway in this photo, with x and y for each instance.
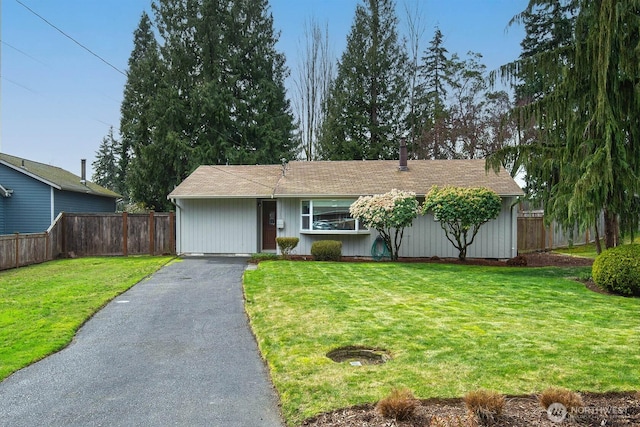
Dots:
(175, 349)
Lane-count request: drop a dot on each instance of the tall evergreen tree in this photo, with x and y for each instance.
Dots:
(366, 109)
(589, 154)
(261, 118)
(549, 31)
(433, 140)
(141, 164)
(603, 136)
(105, 166)
(218, 93)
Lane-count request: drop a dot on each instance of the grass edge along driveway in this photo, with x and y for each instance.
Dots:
(450, 329)
(42, 306)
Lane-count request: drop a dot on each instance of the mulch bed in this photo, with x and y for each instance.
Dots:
(611, 409)
(608, 409)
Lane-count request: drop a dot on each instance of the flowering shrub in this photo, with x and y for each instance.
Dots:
(388, 214)
(461, 212)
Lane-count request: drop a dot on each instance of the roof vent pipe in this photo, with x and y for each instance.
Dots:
(403, 155)
(83, 173)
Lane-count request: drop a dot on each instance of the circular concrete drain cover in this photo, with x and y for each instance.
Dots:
(358, 356)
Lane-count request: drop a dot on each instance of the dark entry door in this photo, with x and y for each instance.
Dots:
(269, 225)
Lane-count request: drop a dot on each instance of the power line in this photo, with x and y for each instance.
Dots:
(22, 52)
(19, 85)
(72, 39)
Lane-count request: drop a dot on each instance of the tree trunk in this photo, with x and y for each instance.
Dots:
(610, 229)
(598, 245)
(462, 256)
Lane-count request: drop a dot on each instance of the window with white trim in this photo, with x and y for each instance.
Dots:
(329, 216)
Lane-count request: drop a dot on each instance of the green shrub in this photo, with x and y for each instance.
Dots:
(618, 270)
(287, 244)
(263, 256)
(327, 250)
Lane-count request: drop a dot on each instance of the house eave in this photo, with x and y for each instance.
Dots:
(31, 175)
(219, 196)
(286, 196)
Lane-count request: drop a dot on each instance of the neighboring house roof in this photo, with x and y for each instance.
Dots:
(56, 177)
(340, 179)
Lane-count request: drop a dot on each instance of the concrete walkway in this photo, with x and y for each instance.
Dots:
(174, 350)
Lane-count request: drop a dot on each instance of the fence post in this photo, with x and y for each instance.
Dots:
(152, 234)
(172, 236)
(125, 233)
(63, 234)
(17, 250)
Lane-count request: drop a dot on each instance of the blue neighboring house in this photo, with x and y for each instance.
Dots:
(32, 195)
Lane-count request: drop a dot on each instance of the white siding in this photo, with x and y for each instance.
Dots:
(496, 239)
(217, 226)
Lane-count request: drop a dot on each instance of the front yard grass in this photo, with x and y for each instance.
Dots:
(449, 328)
(42, 306)
(588, 250)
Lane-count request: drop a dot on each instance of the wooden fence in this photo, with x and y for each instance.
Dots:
(77, 234)
(533, 235)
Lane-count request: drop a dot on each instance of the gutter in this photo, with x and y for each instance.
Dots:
(5, 192)
(178, 224)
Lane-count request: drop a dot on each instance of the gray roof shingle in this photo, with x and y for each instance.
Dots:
(340, 179)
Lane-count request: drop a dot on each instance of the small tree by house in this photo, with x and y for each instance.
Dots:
(389, 214)
(461, 212)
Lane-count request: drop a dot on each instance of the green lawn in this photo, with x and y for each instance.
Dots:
(449, 328)
(588, 250)
(42, 306)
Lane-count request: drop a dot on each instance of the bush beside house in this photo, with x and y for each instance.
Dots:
(327, 250)
(618, 270)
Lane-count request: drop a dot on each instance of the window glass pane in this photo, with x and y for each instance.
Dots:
(327, 215)
(332, 215)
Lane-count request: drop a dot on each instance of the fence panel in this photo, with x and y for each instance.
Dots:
(138, 234)
(18, 250)
(56, 238)
(74, 234)
(164, 239)
(531, 234)
(93, 234)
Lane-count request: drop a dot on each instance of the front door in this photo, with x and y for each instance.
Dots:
(269, 225)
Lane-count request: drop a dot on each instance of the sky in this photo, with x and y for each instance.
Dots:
(58, 100)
